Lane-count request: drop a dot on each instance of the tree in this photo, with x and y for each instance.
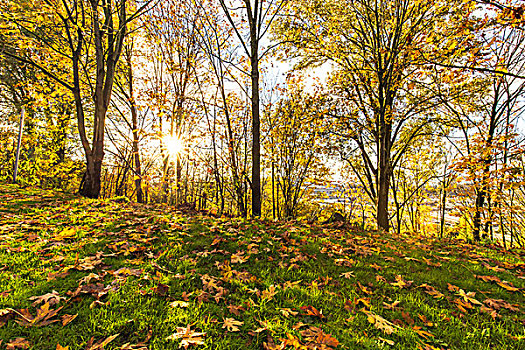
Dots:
(380, 76)
(66, 35)
(259, 14)
(295, 146)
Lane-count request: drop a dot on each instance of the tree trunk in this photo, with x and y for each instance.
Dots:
(256, 125)
(90, 186)
(135, 131)
(384, 187)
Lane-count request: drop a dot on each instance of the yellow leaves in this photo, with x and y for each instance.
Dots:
(238, 258)
(231, 324)
(379, 322)
(65, 234)
(179, 303)
(187, 336)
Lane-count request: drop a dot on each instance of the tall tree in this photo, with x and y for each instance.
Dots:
(259, 14)
(379, 74)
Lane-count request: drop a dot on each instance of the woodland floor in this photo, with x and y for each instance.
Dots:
(88, 274)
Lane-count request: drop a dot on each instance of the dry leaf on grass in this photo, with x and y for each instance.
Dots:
(231, 324)
(187, 336)
(379, 322)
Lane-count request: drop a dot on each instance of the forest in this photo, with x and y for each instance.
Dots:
(361, 158)
(400, 115)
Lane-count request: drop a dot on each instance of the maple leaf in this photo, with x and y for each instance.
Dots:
(288, 312)
(488, 278)
(468, 297)
(179, 303)
(452, 287)
(89, 262)
(500, 303)
(231, 324)
(187, 336)
(312, 311)
(508, 286)
(238, 258)
(235, 309)
(52, 298)
(400, 282)
(66, 319)
(379, 322)
(60, 347)
(42, 318)
(269, 293)
(290, 284)
(493, 313)
(318, 339)
(462, 305)
(18, 343)
(348, 274)
(432, 291)
(422, 332)
(364, 289)
(392, 306)
(101, 344)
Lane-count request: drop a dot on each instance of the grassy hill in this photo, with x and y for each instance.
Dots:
(87, 274)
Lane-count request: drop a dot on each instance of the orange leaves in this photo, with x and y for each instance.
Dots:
(317, 339)
(66, 319)
(432, 291)
(43, 316)
(314, 338)
(18, 343)
(100, 345)
(504, 284)
(312, 311)
(188, 337)
(269, 293)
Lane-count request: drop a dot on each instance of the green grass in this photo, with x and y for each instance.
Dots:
(263, 271)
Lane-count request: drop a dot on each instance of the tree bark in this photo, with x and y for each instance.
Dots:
(256, 123)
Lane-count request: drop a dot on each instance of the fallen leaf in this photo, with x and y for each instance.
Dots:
(288, 312)
(312, 311)
(187, 336)
(269, 293)
(66, 319)
(231, 324)
(379, 322)
(52, 298)
(348, 275)
(18, 343)
(179, 303)
(422, 332)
